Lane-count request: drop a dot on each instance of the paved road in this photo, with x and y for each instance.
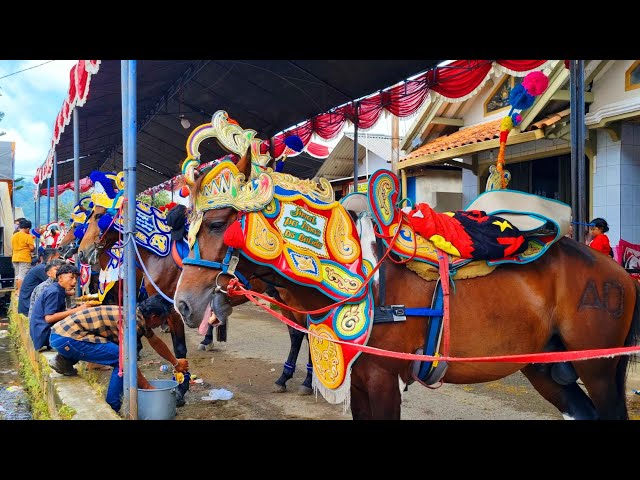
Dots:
(255, 335)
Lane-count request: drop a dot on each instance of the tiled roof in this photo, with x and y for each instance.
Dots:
(466, 136)
(551, 119)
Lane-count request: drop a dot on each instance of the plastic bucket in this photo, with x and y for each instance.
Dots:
(158, 403)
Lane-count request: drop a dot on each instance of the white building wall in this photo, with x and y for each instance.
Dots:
(469, 184)
(606, 185)
(375, 163)
(475, 115)
(630, 183)
(608, 87)
(434, 181)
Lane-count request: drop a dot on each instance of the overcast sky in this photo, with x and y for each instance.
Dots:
(31, 101)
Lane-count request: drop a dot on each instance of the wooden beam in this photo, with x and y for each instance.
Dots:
(564, 95)
(556, 132)
(614, 132)
(596, 71)
(474, 163)
(513, 139)
(466, 166)
(420, 124)
(456, 122)
(556, 79)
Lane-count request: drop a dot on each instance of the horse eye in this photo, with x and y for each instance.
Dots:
(216, 226)
(98, 216)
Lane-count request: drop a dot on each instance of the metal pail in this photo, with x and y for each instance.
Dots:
(158, 403)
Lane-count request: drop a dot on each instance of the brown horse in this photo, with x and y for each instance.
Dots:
(572, 298)
(165, 272)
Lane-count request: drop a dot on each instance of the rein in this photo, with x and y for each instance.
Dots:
(233, 288)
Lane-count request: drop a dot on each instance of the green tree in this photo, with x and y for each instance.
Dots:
(159, 199)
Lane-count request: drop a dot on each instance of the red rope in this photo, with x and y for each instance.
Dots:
(120, 327)
(544, 357)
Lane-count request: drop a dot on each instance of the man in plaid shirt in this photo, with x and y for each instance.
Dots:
(91, 335)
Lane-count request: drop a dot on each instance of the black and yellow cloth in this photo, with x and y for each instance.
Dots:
(468, 233)
(96, 325)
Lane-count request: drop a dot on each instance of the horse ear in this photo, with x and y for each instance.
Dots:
(244, 164)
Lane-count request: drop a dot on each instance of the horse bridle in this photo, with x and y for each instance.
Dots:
(226, 267)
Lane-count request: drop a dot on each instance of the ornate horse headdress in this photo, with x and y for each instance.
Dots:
(232, 138)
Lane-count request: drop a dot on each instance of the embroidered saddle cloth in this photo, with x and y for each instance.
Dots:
(542, 222)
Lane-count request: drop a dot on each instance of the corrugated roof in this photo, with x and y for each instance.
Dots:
(339, 163)
(465, 136)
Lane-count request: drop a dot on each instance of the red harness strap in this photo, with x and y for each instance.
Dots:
(443, 260)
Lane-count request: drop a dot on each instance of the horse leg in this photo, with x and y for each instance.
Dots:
(377, 388)
(605, 381)
(296, 338)
(207, 340)
(569, 399)
(307, 386)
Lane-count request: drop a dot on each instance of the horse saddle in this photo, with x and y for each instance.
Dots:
(542, 221)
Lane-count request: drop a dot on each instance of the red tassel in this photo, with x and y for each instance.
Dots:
(503, 136)
(234, 237)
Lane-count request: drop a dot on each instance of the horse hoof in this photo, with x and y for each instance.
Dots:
(279, 388)
(302, 390)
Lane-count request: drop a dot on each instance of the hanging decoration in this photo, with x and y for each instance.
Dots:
(520, 98)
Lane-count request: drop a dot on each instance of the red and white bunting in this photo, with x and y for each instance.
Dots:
(79, 81)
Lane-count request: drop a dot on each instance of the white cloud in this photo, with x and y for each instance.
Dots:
(31, 101)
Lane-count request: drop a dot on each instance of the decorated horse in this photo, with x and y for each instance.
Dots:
(242, 143)
(160, 262)
(388, 307)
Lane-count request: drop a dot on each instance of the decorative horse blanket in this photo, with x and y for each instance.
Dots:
(312, 241)
(541, 221)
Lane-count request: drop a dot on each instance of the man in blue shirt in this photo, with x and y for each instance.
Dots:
(35, 277)
(49, 308)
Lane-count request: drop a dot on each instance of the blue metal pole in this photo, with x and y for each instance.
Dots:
(55, 186)
(130, 227)
(48, 200)
(37, 222)
(76, 173)
(124, 89)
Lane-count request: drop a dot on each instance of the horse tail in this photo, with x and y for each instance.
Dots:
(633, 337)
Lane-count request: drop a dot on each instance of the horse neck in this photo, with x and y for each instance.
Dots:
(162, 270)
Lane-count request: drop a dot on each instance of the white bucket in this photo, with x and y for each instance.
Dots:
(158, 403)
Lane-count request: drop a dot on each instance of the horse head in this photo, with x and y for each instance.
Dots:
(215, 208)
(80, 215)
(106, 199)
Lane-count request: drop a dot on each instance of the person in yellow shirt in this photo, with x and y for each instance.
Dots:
(23, 243)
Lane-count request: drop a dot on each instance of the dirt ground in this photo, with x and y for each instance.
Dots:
(251, 361)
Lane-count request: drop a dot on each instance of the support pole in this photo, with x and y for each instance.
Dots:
(395, 145)
(578, 165)
(48, 200)
(76, 154)
(129, 123)
(55, 186)
(37, 222)
(355, 150)
(76, 174)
